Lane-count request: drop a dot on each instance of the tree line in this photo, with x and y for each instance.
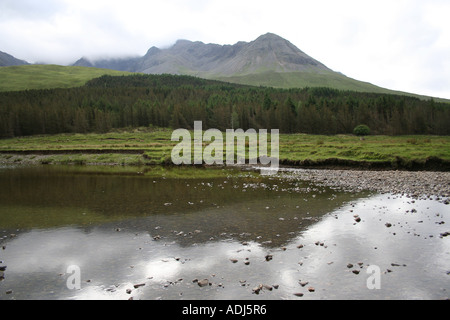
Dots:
(171, 101)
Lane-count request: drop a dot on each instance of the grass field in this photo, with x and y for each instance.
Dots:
(149, 147)
(49, 76)
(28, 77)
(309, 79)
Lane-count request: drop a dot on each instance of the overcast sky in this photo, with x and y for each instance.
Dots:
(397, 44)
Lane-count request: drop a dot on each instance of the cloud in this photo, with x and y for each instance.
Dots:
(397, 44)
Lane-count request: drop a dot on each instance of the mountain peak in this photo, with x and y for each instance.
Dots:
(182, 42)
(268, 53)
(83, 62)
(7, 60)
(269, 36)
(153, 50)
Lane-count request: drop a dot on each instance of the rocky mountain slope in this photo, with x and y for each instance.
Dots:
(270, 61)
(7, 60)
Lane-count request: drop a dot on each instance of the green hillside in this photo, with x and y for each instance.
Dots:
(334, 80)
(29, 77)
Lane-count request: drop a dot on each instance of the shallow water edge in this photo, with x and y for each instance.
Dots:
(221, 235)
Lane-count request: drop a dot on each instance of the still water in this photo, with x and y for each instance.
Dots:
(154, 233)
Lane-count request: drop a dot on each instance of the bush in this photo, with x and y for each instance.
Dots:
(361, 130)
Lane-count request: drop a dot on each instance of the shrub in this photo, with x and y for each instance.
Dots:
(361, 130)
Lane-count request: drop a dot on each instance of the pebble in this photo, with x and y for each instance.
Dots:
(303, 283)
(398, 265)
(417, 184)
(203, 283)
(257, 290)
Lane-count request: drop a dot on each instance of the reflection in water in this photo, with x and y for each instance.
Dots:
(236, 205)
(161, 235)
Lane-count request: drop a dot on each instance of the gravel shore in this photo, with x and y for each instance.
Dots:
(415, 184)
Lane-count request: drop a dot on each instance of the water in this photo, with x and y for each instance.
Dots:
(154, 233)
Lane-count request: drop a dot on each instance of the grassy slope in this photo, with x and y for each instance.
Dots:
(29, 77)
(48, 76)
(154, 147)
(302, 79)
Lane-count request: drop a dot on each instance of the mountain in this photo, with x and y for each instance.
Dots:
(268, 61)
(114, 64)
(268, 53)
(7, 60)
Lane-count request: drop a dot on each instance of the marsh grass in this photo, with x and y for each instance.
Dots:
(151, 147)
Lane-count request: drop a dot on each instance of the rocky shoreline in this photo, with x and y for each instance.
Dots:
(414, 184)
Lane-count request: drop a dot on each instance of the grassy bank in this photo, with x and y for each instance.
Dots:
(151, 147)
(29, 77)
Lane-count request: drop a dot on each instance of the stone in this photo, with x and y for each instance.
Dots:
(257, 290)
(203, 283)
(267, 287)
(303, 283)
